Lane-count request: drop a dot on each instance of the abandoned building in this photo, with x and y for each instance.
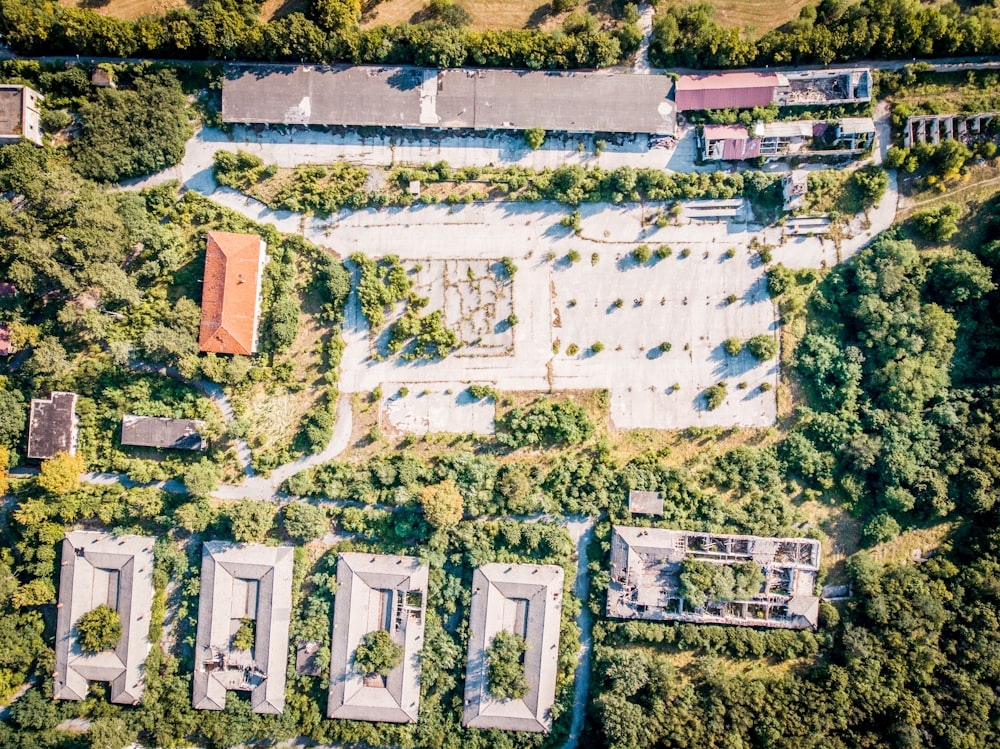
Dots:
(787, 138)
(243, 585)
(934, 128)
(52, 426)
(525, 599)
(377, 592)
(742, 90)
(794, 188)
(421, 98)
(231, 293)
(19, 115)
(170, 434)
(7, 346)
(646, 562)
(116, 571)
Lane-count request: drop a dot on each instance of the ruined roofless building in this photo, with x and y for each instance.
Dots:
(646, 563)
(525, 599)
(117, 571)
(377, 592)
(239, 582)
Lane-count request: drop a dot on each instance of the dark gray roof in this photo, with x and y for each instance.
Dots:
(645, 503)
(52, 426)
(151, 431)
(499, 593)
(377, 591)
(241, 581)
(19, 114)
(592, 101)
(98, 568)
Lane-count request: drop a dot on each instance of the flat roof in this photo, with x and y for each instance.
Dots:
(480, 99)
(11, 107)
(52, 426)
(645, 564)
(152, 431)
(377, 592)
(117, 571)
(243, 581)
(525, 599)
(645, 503)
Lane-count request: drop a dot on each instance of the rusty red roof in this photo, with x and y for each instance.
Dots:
(6, 349)
(230, 299)
(725, 91)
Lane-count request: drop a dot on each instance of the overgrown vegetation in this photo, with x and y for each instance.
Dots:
(505, 666)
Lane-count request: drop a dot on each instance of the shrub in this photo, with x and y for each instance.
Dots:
(597, 347)
(715, 395)
(642, 254)
(377, 654)
(250, 520)
(732, 299)
(686, 252)
(763, 347)
(505, 670)
(508, 266)
(573, 256)
(730, 253)
(619, 303)
(534, 138)
(512, 319)
(246, 636)
(483, 391)
(665, 347)
(545, 422)
(61, 473)
(733, 346)
(99, 629)
(937, 224)
(594, 258)
(572, 350)
(765, 386)
(663, 252)
(305, 522)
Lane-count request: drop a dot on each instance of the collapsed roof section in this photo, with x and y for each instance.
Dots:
(377, 592)
(525, 599)
(243, 582)
(646, 563)
(117, 571)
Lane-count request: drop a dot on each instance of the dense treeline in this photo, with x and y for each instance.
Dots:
(230, 29)
(831, 31)
(910, 663)
(889, 427)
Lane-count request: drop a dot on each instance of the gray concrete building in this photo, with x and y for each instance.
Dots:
(243, 582)
(52, 426)
(480, 99)
(116, 571)
(525, 599)
(646, 564)
(377, 592)
(19, 115)
(170, 434)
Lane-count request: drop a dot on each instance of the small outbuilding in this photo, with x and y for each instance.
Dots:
(169, 434)
(645, 503)
(20, 115)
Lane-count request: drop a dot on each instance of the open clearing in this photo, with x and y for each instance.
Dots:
(680, 300)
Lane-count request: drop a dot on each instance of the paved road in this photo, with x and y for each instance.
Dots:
(581, 530)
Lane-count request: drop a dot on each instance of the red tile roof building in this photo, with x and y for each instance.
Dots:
(726, 91)
(230, 300)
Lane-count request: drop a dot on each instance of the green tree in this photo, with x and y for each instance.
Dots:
(35, 712)
(642, 254)
(763, 347)
(251, 521)
(715, 395)
(534, 138)
(13, 417)
(246, 635)
(61, 473)
(305, 522)
(99, 629)
(733, 346)
(505, 676)
(442, 504)
(377, 654)
(111, 732)
(202, 478)
(937, 224)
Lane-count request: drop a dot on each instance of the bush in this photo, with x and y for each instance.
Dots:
(505, 666)
(99, 629)
(642, 254)
(483, 391)
(597, 347)
(251, 521)
(377, 654)
(573, 256)
(763, 347)
(546, 423)
(663, 252)
(572, 350)
(534, 138)
(937, 224)
(715, 395)
(733, 346)
(246, 636)
(665, 347)
(508, 266)
(305, 522)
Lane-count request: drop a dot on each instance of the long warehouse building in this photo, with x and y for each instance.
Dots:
(408, 97)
